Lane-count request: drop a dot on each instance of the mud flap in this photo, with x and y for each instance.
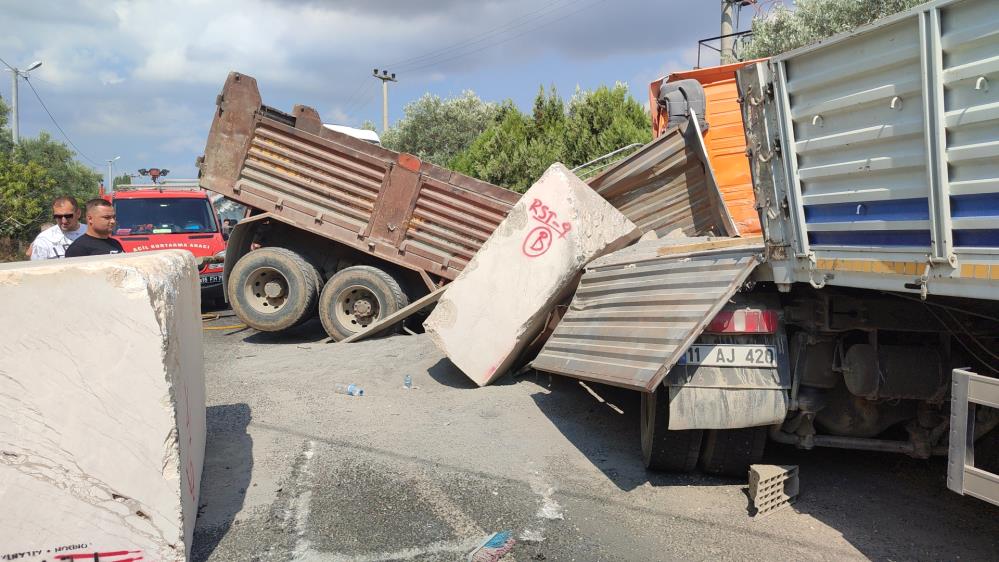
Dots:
(692, 407)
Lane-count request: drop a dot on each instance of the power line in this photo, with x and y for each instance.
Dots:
(361, 94)
(56, 123)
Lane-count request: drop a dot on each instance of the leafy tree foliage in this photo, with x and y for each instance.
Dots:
(22, 208)
(32, 174)
(516, 149)
(123, 179)
(811, 20)
(70, 176)
(436, 129)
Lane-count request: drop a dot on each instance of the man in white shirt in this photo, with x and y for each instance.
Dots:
(52, 243)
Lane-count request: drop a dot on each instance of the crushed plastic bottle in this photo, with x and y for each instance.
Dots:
(349, 389)
(407, 382)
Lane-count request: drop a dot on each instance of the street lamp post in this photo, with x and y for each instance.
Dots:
(14, 74)
(110, 184)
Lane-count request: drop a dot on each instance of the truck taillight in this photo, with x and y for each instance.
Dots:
(744, 321)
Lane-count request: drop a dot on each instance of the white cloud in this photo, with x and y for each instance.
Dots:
(139, 77)
(110, 78)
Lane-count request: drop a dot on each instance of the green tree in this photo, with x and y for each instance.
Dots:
(436, 129)
(499, 154)
(516, 149)
(123, 179)
(6, 142)
(24, 198)
(70, 176)
(33, 173)
(811, 20)
(604, 120)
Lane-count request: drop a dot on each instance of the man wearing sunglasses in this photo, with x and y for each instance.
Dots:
(53, 242)
(97, 241)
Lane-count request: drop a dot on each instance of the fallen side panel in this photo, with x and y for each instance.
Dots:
(637, 310)
(668, 186)
(501, 300)
(102, 407)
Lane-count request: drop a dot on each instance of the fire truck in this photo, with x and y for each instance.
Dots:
(172, 215)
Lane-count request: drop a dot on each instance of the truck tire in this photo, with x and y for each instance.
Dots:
(729, 452)
(662, 449)
(272, 289)
(356, 297)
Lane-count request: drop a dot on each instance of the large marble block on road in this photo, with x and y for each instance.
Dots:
(500, 302)
(102, 407)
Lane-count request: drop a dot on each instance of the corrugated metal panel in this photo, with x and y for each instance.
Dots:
(667, 185)
(451, 222)
(637, 310)
(856, 111)
(297, 170)
(888, 148)
(970, 74)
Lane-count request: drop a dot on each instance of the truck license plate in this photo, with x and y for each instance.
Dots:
(210, 279)
(723, 355)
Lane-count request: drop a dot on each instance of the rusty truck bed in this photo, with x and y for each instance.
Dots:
(390, 205)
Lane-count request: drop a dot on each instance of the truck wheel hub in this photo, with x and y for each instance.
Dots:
(363, 308)
(273, 289)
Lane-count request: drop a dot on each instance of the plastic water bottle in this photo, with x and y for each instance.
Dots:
(407, 382)
(349, 389)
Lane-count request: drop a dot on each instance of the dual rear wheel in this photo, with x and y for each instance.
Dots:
(273, 289)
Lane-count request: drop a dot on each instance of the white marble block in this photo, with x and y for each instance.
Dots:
(500, 302)
(102, 407)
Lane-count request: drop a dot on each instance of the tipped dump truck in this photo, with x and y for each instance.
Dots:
(339, 226)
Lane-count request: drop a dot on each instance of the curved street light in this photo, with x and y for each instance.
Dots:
(14, 74)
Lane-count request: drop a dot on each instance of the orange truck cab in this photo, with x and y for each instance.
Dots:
(724, 135)
(172, 216)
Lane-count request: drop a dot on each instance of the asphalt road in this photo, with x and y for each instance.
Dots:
(295, 471)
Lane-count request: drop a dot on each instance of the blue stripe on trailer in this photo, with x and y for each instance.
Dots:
(871, 238)
(979, 205)
(976, 238)
(896, 210)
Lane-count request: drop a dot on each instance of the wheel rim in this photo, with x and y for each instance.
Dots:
(356, 307)
(266, 290)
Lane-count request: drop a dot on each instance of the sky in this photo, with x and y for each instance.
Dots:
(138, 78)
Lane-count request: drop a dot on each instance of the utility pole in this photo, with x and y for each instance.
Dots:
(385, 77)
(14, 74)
(727, 41)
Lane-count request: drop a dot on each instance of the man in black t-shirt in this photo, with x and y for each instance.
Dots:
(101, 222)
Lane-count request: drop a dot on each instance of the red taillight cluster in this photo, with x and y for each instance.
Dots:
(744, 321)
